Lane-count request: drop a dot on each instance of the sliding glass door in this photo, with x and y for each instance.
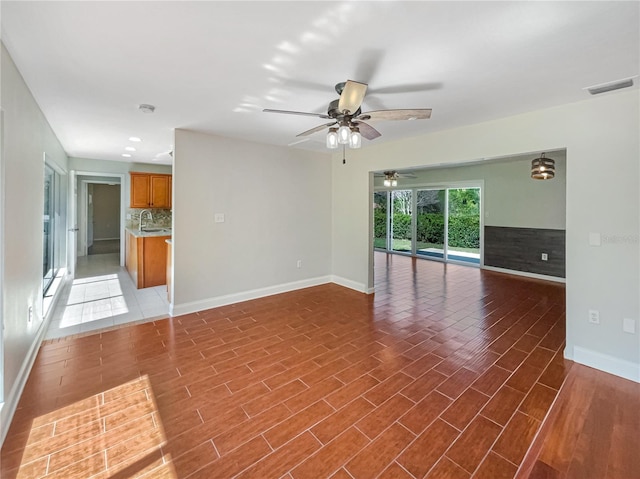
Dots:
(430, 232)
(436, 223)
(401, 219)
(463, 224)
(380, 219)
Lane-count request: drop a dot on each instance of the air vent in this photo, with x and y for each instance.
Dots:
(605, 87)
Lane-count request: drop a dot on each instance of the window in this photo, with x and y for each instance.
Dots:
(50, 219)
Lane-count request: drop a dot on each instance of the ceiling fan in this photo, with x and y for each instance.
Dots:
(347, 119)
(391, 176)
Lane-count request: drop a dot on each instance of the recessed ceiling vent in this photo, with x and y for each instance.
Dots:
(605, 87)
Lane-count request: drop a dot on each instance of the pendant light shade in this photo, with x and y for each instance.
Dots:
(332, 138)
(343, 134)
(355, 139)
(543, 168)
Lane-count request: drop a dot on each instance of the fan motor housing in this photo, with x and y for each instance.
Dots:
(333, 111)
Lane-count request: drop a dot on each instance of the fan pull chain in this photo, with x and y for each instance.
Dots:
(344, 161)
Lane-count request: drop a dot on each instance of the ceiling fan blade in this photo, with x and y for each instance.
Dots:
(352, 96)
(414, 114)
(317, 128)
(369, 132)
(301, 113)
(409, 88)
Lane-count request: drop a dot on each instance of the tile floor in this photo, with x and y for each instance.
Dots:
(446, 372)
(103, 296)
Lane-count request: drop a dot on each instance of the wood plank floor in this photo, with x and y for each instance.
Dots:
(446, 372)
(592, 432)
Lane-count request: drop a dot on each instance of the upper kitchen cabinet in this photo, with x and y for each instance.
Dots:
(150, 190)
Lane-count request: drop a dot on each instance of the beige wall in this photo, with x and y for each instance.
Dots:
(602, 196)
(277, 207)
(27, 137)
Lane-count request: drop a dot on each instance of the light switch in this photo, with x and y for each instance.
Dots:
(629, 325)
(594, 239)
(219, 218)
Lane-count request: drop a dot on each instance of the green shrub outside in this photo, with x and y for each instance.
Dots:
(464, 231)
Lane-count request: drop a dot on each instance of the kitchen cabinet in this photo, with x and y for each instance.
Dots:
(150, 190)
(146, 260)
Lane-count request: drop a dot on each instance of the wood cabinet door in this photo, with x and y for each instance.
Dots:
(155, 261)
(160, 191)
(140, 192)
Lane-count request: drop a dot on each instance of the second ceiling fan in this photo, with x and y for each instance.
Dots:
(348, 120)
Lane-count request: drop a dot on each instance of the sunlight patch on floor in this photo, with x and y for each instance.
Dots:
(118, 431)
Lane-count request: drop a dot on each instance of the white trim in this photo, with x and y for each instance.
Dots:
(347, 283)
(609, 364)
(525, 274)
(192, 307)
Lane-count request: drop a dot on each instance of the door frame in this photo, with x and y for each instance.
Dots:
(83, 198)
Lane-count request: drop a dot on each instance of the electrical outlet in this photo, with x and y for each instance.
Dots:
(299, 263)
(545, 256)
(629, 325)
(594, 316)
(30, 313)
(219, 217)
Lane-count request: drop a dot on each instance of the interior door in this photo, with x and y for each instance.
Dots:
(72, 241)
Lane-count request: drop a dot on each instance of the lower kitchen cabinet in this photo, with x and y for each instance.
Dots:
(146, 260)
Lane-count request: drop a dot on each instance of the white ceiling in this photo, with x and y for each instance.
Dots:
(213, 66)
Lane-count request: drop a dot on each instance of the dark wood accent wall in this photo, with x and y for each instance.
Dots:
(521, 249)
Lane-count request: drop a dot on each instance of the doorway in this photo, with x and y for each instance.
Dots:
(100, 215)
(103, 218)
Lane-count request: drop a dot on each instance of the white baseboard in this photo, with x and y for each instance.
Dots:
(194, 306)
(525, 274)
(347, 283)
(609, 364)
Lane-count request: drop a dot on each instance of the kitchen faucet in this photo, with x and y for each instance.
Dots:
(141, 215)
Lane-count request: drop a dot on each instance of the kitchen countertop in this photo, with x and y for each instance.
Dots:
(144, 234)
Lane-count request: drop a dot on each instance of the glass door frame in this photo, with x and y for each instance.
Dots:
(435, 186)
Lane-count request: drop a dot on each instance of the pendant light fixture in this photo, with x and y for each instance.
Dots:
(543, 168)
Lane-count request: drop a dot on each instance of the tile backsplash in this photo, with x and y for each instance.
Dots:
(161, 217)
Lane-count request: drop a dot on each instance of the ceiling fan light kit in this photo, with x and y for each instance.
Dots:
(346, 113)
(390, 179)
(543, 168)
